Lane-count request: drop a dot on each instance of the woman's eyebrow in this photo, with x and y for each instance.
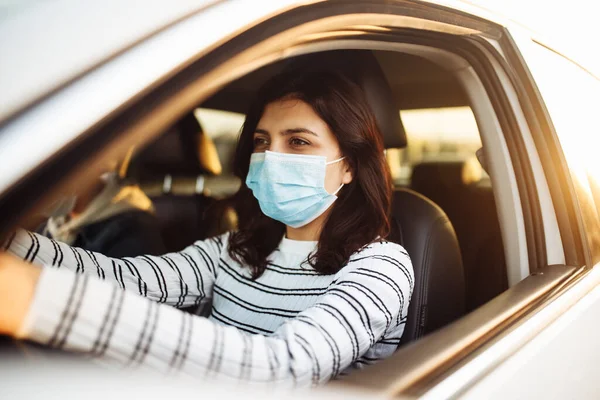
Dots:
(262, 131)
(298, 130)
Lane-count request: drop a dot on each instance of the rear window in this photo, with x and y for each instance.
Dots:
(223, 127)
(434, 134)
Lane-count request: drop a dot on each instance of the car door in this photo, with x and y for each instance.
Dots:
(558, 98)
(132, 94)
(564, 352)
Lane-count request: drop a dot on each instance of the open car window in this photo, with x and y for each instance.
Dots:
(223, 127)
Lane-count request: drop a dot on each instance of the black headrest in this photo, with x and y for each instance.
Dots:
(362, 67)
(445, 174)
(183, 150)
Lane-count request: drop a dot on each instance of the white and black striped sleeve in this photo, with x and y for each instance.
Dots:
(180, 279)
(368, 299)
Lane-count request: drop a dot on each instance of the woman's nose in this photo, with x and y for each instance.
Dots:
(277, 146)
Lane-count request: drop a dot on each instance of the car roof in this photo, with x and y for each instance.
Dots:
(415, 83)
(54, 42)
(48, 44)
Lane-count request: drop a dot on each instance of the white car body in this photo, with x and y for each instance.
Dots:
(69, 67)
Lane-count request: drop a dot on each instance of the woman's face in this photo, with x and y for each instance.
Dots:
(291, 126)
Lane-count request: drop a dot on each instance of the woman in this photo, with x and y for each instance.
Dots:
(304, 289)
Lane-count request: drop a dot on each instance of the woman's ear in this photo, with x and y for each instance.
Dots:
(348, 174)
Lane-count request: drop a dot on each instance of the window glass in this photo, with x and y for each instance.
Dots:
(223, 127)
(573, 101)
(572, 97)
(434, 134)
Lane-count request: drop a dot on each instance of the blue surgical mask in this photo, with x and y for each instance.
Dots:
(290, 188)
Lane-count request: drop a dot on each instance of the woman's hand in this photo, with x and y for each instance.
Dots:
(18, 280)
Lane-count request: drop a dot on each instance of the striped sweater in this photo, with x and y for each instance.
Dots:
(291, 326)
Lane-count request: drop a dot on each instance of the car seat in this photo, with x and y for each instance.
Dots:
(454, 186)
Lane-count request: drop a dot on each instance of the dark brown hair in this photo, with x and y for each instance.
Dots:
(360, 214)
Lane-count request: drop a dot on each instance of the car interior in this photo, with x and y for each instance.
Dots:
(443, 211)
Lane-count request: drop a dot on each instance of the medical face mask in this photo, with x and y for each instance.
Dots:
(290, 188)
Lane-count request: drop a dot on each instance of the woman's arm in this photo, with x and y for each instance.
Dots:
(367, 302)
(181, 279)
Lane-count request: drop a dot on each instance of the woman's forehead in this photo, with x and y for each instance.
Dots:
(288, 114)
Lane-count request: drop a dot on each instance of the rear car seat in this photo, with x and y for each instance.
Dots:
(453, 185)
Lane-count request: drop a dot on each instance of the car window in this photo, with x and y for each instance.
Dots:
(218, 123)
(435, 135)
(223, 127)
(573, 104)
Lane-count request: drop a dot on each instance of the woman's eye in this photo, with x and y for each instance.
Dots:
(298, 142)
(259, 141)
